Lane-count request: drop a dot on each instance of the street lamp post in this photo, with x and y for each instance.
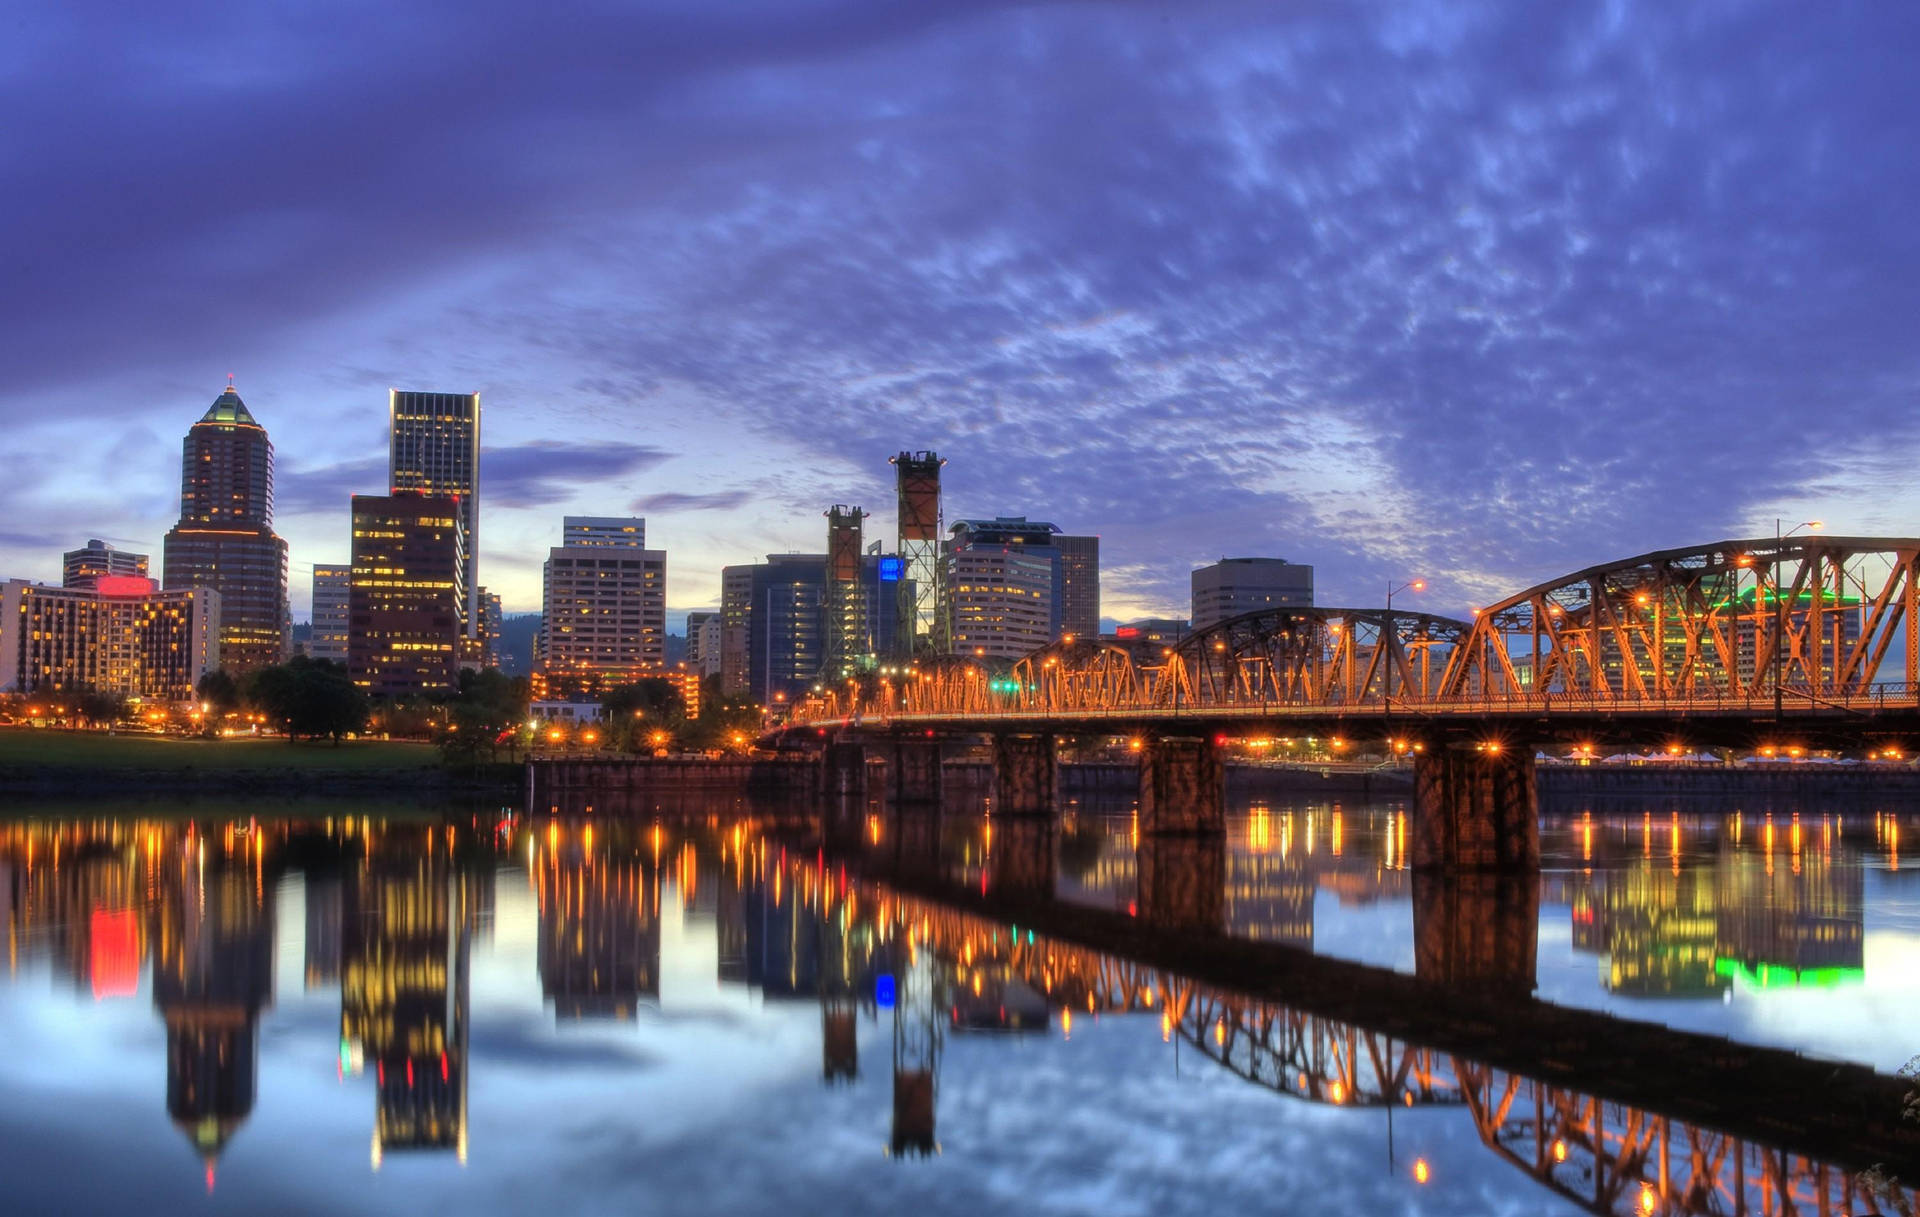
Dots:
(1387, 631)
(1780, 610)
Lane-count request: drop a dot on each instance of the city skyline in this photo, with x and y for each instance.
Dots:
(1477, 295)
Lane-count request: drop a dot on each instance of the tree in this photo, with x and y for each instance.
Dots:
(308, 698)
(639, 712)
(484, 716)
(94, 707)
(219, 692)
(731, 723)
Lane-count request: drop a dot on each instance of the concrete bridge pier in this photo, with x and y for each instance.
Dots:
(914, 770)
(1183, 786)
(1475, 810)
(1477, 930)
(843, 769)
(1180, 882)
(1020, 856)
(1026, 775)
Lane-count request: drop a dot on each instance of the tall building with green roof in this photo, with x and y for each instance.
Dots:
(225, 539)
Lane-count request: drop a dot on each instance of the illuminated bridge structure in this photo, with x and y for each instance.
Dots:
(1808, 641)
(1610, 1142)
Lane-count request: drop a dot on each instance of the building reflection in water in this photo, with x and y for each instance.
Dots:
(1690, 906)
(599, 943)
(212, 976)
(409, 916)
(1684, 906)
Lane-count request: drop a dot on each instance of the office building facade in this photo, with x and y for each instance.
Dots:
(1233, 586)
(82, 567)
(332, 589)
(1002, 599)
(405, 592)
(605, 604)
(1075, 563)
(785, 621)
(224, 540)
(122, 636)
(435, 451)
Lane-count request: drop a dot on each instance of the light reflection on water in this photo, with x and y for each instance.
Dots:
(497, 1015)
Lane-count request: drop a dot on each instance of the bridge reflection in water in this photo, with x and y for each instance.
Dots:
(940, 925)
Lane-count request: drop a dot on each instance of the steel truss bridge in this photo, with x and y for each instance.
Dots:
(1587, 1140)
(1819, 632)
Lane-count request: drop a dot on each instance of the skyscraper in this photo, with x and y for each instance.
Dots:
(436, 452)
(332, 587)
(408, 583)
(82, 567)
(225, 539)
(605, 605)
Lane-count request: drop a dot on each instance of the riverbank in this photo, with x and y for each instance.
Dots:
(86, 764)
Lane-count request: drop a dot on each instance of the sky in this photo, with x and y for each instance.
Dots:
(1481, 294)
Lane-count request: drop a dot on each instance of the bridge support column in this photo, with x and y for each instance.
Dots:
(914, 770)
(1180, 882)
(1479, 930)
(1183, 786)
(1020, 857)
(1026, 775)
(1475, 811)
(843, 769)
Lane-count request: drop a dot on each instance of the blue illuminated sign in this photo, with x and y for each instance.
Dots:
(891, 568)
(883, 991)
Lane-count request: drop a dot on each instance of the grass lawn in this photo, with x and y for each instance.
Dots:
(27, 747)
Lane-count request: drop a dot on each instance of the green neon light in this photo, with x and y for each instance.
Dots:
(1746, 596)
(1779, 976)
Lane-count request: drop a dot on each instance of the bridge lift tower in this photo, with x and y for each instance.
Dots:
(846, 602)
(925, 621)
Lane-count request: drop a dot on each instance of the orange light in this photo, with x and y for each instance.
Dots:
(1135, 745)
(1647, 1199)
(1421, 1172)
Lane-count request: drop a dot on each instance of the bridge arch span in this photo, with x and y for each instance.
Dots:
(1810, 615)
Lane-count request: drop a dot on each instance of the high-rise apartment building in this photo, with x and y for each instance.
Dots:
(407, 586)
(81, 567)
(121, 636)
(436, 452)
(1233, 586)
(1002, 601)
(1075, 561)
(604, 603)
(332, 588)
(225, 539)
